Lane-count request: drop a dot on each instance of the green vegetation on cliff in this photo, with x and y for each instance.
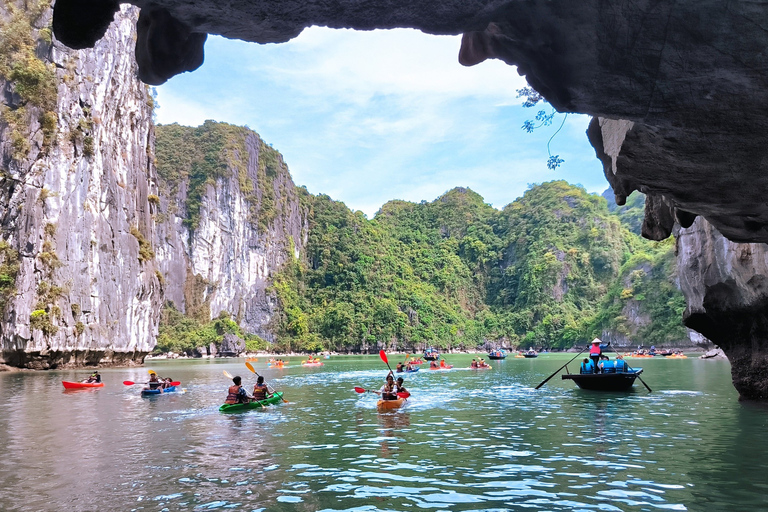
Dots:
(554, 268)
(549, 270)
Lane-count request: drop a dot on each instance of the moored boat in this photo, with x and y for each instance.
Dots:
(383, 405)
(276, 398)
(619, 381)
(81, 385)
(157, 391)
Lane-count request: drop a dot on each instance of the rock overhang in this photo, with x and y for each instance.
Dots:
(690, 76)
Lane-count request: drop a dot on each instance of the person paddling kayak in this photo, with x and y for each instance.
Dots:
(237, 394)
(95, 377)
(154, 382)
(260, 390)
(388, 391)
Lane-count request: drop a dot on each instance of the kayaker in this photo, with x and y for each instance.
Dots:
(167, 383)
(237, 394)
(474, 364)
(95, 377)
(388, 390)
(399, 368)
(260, 390)
(400, 387)
(154, 382)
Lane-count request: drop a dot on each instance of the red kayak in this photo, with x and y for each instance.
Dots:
(78, 385)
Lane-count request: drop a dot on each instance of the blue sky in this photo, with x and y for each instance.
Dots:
(367, 117)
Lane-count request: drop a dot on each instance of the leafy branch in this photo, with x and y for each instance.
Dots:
(542, 119)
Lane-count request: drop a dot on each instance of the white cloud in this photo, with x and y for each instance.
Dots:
(366, 117)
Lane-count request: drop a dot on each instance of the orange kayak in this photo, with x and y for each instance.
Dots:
(384, 405)
(78, 385)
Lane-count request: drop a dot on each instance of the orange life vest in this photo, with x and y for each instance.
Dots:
(234, 395)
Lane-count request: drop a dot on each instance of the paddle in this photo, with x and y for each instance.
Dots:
(250, 367)
(558, 370)
(383, 357)
(131, 383)
(638, 376)
(403, 394)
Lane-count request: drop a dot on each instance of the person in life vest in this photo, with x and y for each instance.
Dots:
(154, 381)
(95, 377)
(388, 390)
(595, 351)
(399, 368)
(587, 366)
(401, 388)
(237, 394)
(260, 390)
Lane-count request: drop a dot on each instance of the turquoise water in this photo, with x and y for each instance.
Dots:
(466, 440)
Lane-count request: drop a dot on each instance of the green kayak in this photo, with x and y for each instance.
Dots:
(274, 399)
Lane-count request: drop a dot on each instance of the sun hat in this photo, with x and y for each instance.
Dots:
(596, 340)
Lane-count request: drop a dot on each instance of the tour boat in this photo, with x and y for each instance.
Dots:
(431, 354)
(618, 381)
(497, 354)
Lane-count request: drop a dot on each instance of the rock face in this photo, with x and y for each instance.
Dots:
(80, 285)
(223, 232)
(726, 289)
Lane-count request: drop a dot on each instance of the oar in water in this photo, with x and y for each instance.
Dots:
(250, 367)
(402, 394)
(558, 370)
(638, 375)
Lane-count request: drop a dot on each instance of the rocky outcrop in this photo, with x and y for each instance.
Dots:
(726, 289)
(222, 235)
(76, 220)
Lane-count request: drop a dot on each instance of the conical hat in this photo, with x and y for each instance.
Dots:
(596, 340)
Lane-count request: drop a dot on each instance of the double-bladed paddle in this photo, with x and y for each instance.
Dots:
(131, 383)
(250, 367)
(402, 394)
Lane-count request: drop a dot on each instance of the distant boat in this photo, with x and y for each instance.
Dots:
(530, 354)
(497, 354)
(431, 354)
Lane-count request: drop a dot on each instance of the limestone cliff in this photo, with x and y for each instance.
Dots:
(229, 216)
(78, 283)
(726, 288)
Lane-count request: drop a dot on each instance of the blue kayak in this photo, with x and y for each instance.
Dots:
(158, 391)
(412, 370)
